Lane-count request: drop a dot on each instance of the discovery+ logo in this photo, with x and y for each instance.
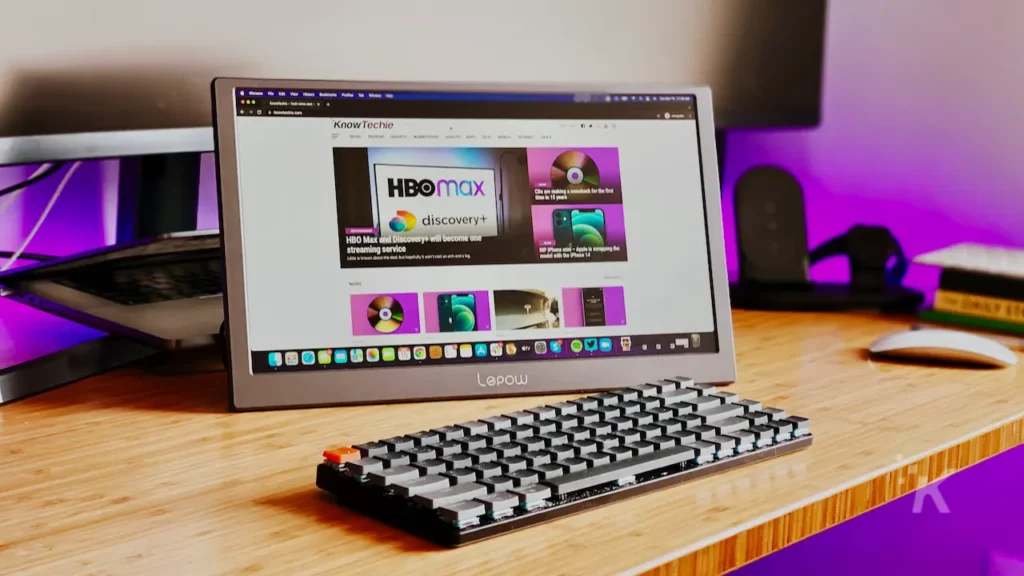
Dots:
(410, 187)
(404, 221)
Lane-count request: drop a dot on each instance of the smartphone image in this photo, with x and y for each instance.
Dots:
(593, 307)
(562, 222)
(456, 312)
(588, 227)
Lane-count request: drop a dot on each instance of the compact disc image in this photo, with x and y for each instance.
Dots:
(385, 314)
(573, 170)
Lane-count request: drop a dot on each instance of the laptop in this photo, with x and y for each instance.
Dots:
(164, 291)
(396, 242)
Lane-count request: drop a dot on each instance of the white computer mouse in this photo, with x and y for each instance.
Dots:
(944, 345)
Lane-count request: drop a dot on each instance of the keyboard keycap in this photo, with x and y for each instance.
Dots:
(425, 438)
(645, 390)
(626, 395)
(496, 436)
(665, 386)
(703, 432)
(451, 495)
(394, 459)
(498, 502)
(607, 412)
(682, 381)
(588, 417)
(600, 428)
(676, 396)
(448, 447)
(730, 425)
(619, 470)
(801, 425)
(497, 422)
(420, 453)
(399, 443)
(481, 455)
(669, 426)
(750, 405)
(507, 449)
(629, 435)
(520, 431)
(661, 413)
(532, 443)
(521, 418)
(783, 429)
(726, 445)
(719, 413)
(597, 459)
(462, 512)
(744, 440)
(705, 403)
(537, 457)
(641, 418)
(548, 471)
(629, 408)
(577, 433)
(584, 447)
(456, 461)
(727, 397)
(764, 436)
(392, 475)
(564, 408)
(531, 494)
(488, 470)
(703, 389)
(364, 466)
(689, 421)
(461, 475)
(473, 428)
(606, 398)
(619, 453)
(640, 447)
(555, 438)
(472, 442)
(412, 487)
(513, 464)
(620, 422)
(566, 421)
(573, 465)
(372, 449)
(542, 412)
(662, 442)
(774, 413)
(543, 426)
(524, 477)
(497, 483)
(649, 431)
(449, 433)
(684, 437)
(562, 452)
(757, 418)
(430, 466)
(648, 403)
(608, 440)
(587, 403)
(705, 451)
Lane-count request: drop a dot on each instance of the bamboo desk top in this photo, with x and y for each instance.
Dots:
(138, 473)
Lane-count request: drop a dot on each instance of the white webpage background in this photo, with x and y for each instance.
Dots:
(297, 295)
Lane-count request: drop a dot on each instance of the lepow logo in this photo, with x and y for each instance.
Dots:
(404, 221)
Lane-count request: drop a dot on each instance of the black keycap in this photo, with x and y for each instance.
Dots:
(640, 448)
(573, 465)
(669, 426)
(456, 461)
(542, 412)
(607, 441)
(682, 381)
(420, 453)
(554, 438)
(472, 442)
(724, 444)
(584, 447)
(587, 403)
(520, 431)
(506, 449)
(496, 436)
(371, 449)
(626, 395)
(641, 418)
(512, 464)
(719, 413)
(757, 418)
(488, 470)
(393, 474)
(462, 511)
(783, 429)
(364, 466)
(532, 443)
(744, 440)
(618, 453)
(727, 397)
(763, 434)
(393, 459)
(645, 390)
(524, 477)
(433, 466)
(689, 421)
(543, 427)
(473, 428)
(577, 433)
(664, 386)
(562, 452)
(627, 468)
(661, 413)
(630, 408)
(703, 432)
(537, 457)
(414, 486)
(498, 502)
(620, 422)
(450, 432)
(774, 413)
(662, 442)
(588, 417)
(497, 483)
(600, 428)
(565, 408)
(649, 431)
(497, 422)
(596, 459)
(448, 447)
(461, 475)
(703, 389)
(676, 396)
(521, 418)
(684, 437)
(607, 412)
(731, 425)
(606, 398)
(750, 405)
(452, 494)
(481, 455)
(629, 435)
(801, 425)
(399, 443)
(531, 494)
(425, 438)
(650, 402)
(548, 471)
(705, 451)
(566, 421)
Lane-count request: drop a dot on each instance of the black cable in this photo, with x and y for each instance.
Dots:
(28, 256)
(26, 183)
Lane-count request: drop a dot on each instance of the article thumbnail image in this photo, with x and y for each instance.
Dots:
(594, 306)
(457, 311)
(578, 174)
(526, 309)
(579, 231)
(384, 314)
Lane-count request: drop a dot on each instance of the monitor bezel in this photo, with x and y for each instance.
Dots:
(250, 391)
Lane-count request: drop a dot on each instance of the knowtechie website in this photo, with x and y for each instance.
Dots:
(412, 232)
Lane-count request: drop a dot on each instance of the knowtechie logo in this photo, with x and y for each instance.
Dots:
(410, 187)
(363, 124)
(404, 221)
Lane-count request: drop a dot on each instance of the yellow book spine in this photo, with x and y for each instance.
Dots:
(979, 306)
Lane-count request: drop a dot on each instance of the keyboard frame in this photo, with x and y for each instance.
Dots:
(373, 500)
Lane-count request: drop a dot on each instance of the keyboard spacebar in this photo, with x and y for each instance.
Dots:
(622, 469)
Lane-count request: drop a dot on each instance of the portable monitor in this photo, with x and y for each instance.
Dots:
(389, 242)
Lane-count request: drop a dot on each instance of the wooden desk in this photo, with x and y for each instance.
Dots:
(141, 473)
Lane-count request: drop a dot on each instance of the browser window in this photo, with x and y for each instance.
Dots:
(515, 227)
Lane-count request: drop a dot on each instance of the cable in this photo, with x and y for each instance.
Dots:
(35, 177)
(42, 218)
(28, 256)
(44, 172)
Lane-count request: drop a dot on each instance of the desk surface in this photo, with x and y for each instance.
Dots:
(146, 473)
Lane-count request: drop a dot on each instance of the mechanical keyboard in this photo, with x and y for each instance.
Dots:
(458, 484)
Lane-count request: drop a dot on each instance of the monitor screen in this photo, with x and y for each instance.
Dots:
(413, 228)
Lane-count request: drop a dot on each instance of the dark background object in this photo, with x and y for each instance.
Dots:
(771, 229)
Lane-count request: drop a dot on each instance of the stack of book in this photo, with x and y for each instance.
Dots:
(980, 287)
